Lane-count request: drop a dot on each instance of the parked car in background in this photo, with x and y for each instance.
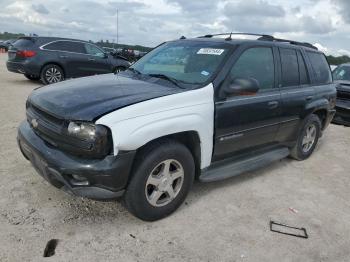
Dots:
(341, 75)
(208, 108)
(6, 44)
(109, 50)
(55, 59)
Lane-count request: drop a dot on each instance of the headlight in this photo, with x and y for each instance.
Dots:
(82, 130)
(95, 140)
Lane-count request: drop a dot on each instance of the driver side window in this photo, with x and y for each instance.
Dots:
(256, 63)
(93, 50)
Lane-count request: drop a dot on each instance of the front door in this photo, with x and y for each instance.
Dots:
(97, 61)
(249, 121)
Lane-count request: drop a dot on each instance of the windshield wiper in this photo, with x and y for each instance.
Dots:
(170, 79)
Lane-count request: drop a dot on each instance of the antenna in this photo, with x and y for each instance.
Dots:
(229, 38)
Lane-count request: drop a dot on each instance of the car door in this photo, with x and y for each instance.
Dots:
(249, 121)
(98, 61)
(296, 92)
(71, 55)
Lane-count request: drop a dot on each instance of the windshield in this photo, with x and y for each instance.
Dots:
(183, 61)
(342, 73)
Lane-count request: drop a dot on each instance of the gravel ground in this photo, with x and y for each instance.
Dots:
(222, 221)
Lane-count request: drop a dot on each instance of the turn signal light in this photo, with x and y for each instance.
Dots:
(26, 53)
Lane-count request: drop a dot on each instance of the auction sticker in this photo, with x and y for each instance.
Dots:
(210, 51)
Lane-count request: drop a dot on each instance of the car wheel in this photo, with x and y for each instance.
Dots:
(32, 77)
(51, 74)
(162, 178)
(307, 139)
(119, 69)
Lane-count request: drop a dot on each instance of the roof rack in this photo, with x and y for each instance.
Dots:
(262, 37)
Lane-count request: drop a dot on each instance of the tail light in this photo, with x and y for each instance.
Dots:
(26, 53)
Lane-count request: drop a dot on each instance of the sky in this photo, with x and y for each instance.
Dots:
(325, 23)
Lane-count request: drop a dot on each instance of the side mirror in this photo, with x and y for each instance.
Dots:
(242, 86)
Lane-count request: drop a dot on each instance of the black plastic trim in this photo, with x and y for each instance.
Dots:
(107, 177)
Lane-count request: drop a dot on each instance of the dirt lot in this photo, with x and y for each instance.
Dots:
(224, 221)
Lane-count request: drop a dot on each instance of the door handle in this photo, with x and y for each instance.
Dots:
(273, 104)
(309, 98)
(63, 56)
(91, 59)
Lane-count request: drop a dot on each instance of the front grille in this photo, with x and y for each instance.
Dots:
(52, 129)
(46, 125)
(343, 95)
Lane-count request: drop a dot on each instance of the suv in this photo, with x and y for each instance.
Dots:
(207, 108)
(55, 59)
(341, 75)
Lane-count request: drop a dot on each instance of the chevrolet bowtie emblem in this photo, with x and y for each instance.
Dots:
(34, 123)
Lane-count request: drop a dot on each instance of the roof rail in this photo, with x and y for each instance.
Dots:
(262, 37)
(271, 38)
(230, 35)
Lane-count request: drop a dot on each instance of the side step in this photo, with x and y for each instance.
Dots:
(226, 168)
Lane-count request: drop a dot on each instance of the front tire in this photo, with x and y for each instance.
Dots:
(307, 139)
(162, 178)
(51, 74)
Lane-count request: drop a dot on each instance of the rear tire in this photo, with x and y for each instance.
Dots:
(32, 77)
(307, 139)
(162, 177)
(51, 73)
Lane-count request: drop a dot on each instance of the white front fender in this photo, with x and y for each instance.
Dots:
(138, 124)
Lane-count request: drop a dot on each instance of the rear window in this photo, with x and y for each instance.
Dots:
(23, 43)
(320, 67)
(67, 46)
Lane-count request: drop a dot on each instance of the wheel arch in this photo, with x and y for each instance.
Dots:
(54, 63)
(190, 139)
(322, 115)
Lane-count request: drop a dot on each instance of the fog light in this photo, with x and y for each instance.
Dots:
(78, 180)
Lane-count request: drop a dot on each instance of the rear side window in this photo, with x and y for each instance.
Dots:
(290, 67)
(320, 67)
(256, 63)
(24, 43)
(304, 76)
(67, 46)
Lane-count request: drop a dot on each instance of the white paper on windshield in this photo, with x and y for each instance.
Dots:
(210, 51)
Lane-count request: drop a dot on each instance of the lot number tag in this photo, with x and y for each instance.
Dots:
(210, 51)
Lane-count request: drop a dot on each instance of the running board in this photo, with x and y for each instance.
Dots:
(226, 168)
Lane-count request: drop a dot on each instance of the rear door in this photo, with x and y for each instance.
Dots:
(70, 54)
(249, 121)
(98, 61)
(296, 91)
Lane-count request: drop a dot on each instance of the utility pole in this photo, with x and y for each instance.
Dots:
(117, 27)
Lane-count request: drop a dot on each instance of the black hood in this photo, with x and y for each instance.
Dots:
(90, 97)
(343, 84)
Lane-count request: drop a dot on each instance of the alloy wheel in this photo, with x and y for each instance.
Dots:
(164, 183)
(309, 138)
(53, 75)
